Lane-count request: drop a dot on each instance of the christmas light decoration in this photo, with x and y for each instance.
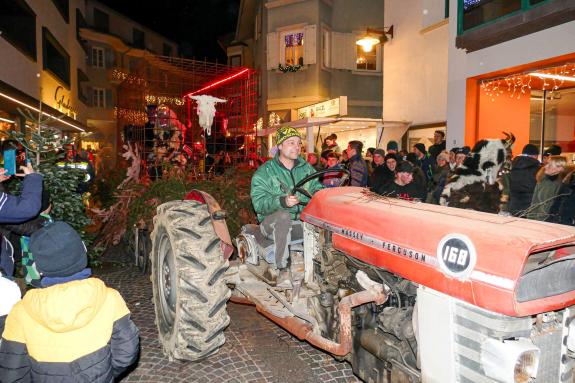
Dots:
(157, 100)
(135, 117)
(289, 68)
(274, 119)
(518, 85)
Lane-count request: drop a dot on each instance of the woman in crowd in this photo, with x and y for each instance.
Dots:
(544, 205)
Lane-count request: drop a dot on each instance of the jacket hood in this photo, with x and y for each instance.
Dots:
(68, 306)
(524, 162)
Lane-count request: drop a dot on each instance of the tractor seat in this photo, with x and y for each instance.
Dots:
(267, 245)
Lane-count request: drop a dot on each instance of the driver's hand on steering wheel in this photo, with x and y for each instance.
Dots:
(291, 200)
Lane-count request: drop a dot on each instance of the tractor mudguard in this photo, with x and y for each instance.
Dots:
(218, 219)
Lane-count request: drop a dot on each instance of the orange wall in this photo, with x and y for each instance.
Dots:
(498, 114)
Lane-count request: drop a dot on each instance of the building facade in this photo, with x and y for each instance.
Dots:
(306, 53)
(511, 69)
(415, 71)
(42, 63)
(70, 55)
(115, 47)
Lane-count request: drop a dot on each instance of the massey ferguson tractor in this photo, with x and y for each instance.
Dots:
(404, 291)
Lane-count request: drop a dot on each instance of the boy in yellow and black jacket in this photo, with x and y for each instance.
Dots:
(72, 329)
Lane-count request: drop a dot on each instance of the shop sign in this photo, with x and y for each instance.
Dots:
(63, 103)
(329, 108)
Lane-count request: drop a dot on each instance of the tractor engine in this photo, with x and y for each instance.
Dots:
(381, 333)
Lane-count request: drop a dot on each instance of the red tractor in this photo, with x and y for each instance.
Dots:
(404, 291)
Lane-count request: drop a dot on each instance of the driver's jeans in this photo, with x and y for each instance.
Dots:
(277, 226)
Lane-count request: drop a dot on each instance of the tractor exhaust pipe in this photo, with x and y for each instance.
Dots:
(375, 292)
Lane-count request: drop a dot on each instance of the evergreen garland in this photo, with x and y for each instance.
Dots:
(289, 68)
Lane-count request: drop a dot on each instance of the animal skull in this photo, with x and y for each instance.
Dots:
(207, 110)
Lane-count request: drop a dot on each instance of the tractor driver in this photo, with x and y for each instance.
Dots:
(271, 196)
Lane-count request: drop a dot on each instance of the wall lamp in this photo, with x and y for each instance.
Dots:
(373, 37)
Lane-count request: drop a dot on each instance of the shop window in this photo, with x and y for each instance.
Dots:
(101, 21)
(98, 98)
(553, 118)
(56, 59)
(18, 26)
(138, 39)
(98, 55)
(366, 60)
(292, 48)
(63, 7)
(166, 49)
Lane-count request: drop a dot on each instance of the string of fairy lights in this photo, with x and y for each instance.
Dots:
(521, 84)
(131, 116)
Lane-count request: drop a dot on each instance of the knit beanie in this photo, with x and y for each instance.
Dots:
(392, 145)
(421, 147)
(58, 250)
(381, 152)
(530, 150)
(286, 132)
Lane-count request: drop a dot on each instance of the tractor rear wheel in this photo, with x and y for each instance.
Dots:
(190, 294)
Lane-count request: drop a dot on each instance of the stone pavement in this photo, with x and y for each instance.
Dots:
(256, 350)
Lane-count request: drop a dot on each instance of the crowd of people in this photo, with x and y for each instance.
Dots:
(529, 188)
(68, 324)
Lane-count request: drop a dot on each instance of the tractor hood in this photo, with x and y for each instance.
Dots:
(503, 264)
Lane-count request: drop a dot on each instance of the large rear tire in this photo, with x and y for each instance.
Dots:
(190, 294)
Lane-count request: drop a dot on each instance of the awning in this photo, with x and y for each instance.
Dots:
(322, 121)
(11, 99)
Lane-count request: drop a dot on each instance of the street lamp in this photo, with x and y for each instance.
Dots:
(373, 37)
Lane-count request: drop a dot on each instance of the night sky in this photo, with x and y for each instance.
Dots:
(194, 24)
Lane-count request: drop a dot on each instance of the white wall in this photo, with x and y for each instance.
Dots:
(415, 62)
(545, 44)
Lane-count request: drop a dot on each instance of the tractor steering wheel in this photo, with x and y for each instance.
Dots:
(298, 187)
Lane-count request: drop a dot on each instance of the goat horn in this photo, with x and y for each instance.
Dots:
(509, 139)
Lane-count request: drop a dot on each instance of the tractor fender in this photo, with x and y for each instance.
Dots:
(218, 219)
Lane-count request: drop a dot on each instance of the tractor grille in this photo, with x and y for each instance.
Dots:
(474, 325)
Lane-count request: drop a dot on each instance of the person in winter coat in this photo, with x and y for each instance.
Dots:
(74, 327)
(8, 298)
(18, 209)
(356, 164)
(427, 162)
(330, 180)
(402, 186)
(440, 174)
(330, 143)
(438, 144)
(273, 202)
(383, 173)
(546, 193)
(521, 179)
(566, 205)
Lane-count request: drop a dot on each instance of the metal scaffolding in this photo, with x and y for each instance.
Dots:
(156, 116)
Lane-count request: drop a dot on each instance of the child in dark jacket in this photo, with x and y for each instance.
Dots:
(73, 326)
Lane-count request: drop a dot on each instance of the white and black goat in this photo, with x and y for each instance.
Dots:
(474, 184)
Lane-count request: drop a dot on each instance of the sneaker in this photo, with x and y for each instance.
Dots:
(284, 280)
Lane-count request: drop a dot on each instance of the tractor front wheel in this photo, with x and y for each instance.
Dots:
(190, 294)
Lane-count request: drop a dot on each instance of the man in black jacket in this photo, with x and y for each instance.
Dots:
(522, 179)
(357, 165)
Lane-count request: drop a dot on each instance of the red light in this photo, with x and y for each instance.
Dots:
(216, 83)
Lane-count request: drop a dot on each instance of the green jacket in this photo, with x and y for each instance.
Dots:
(544, 195)
(272, 182)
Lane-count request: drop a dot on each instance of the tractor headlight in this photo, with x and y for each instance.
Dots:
(510, 361)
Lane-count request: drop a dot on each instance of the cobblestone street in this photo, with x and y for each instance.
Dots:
(256, 350)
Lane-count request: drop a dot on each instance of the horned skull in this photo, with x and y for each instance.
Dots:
(207, 111)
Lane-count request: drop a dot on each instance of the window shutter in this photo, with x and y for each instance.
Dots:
(350, 49)
(273, 57)
(109, 99)
(309, 44)
(109, 58)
